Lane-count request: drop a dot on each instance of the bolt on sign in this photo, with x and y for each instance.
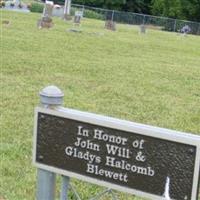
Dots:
(147, 161)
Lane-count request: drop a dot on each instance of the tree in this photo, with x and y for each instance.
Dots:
(182, 9)
(139, 6)
(191, 9)
(110, 4)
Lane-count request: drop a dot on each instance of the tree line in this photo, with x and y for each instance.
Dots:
(180, 9)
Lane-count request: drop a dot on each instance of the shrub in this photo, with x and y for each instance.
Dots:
(92, 14)
(36, 7)
(89, 14)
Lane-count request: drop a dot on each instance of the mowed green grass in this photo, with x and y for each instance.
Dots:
(152, 79)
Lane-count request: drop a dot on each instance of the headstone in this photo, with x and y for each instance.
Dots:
(110, 25)
(77, 18)
(110, 21)
(46, 20)
(185, 30)
(142, 29)
(48, 9)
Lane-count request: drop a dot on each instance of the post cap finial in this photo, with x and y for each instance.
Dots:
(51, 95)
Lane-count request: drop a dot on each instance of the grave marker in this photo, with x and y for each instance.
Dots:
(185, 30)
(77, 18)
(147, 161)
(46, 20)
(110, 25)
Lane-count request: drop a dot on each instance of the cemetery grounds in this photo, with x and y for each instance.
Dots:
(152, 78)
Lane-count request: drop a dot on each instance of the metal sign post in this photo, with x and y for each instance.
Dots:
(64, 188)
(50, 97)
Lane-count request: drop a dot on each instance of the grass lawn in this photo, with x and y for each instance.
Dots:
(152, 79)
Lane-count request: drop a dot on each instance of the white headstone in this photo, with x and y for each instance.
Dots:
(46, 21)
(48, 9)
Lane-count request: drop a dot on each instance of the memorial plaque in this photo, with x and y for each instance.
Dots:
(147, 161)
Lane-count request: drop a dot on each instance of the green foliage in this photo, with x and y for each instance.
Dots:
(191, 9)
(36, 7)
(182, 9)
(93, 14)
(110, 4)
(139, 6)
(89, 14)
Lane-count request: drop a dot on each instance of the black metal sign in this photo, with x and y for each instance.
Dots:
(148, 161)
